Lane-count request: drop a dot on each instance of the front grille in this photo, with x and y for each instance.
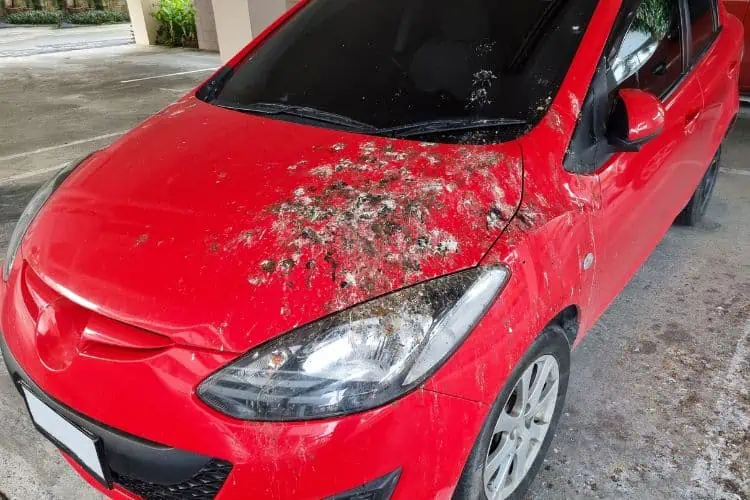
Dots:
(205, 485)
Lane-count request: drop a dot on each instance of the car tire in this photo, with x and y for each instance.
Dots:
(696, 207)
(552, 344)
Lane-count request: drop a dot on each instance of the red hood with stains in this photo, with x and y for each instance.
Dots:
(223, 230)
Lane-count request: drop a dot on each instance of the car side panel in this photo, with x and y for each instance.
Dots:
(718, 72)
(642, 193)
(741, 10)
(544, 246)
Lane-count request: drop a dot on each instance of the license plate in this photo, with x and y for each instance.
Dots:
(80, 444)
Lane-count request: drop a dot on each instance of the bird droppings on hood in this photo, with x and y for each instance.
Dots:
(286, 265)
(322, 171)
(141, 239)
(527, 215)
(372, 220)
(495, 218)
(295, 166)
(256, 280)
(246, 238)
(268, 265)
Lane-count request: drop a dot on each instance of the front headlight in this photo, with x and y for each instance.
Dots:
(30, 212)
(359, 358)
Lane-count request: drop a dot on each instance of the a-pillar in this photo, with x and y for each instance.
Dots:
(237, 21)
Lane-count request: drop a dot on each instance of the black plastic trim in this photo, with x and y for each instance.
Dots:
(203, 486)
(379, 489)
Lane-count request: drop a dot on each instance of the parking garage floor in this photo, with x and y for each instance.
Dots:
(18, 41)
(658, 405)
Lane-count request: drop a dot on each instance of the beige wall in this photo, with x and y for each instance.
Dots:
(205, 25)
(232, 26)
(144, 24)
(237, 21)
(264, 12)
(223, 25)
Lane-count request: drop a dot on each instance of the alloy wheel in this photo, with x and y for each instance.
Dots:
(521, 428)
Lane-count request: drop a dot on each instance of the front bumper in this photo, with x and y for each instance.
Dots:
(158, 434)
(148, 469)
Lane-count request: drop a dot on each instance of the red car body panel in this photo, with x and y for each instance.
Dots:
(167, 279)
(357, 218)
(741, 9)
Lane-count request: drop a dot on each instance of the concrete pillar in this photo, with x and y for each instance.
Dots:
(205, 25)
(238, 20)
(264, 12)
(144, 24)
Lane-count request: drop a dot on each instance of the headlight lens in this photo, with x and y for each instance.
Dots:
(30, 212)
(359, 358)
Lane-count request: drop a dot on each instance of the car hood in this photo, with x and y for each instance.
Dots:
(223, 230)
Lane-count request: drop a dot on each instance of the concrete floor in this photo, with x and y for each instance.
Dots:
(28, 41)
(658, 405)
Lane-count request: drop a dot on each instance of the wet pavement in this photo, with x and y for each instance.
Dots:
(28, 41)
(659, 399)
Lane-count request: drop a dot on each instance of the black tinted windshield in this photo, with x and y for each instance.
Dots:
(390, 63)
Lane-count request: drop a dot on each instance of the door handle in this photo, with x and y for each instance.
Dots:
(691, 119)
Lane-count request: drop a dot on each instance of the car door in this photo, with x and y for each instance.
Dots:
(741, 9)
(716, 62)
(642, 192)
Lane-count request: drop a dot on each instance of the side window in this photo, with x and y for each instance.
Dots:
(650, 55)
(702, 25)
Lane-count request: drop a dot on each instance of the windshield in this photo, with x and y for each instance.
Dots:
(393, 63)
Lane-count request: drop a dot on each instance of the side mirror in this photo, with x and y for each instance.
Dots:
(636, 118)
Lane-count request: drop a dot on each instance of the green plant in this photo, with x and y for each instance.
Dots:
(176, 23)
(55, 17)
(98, 17)
(35, 17)
(654, 16)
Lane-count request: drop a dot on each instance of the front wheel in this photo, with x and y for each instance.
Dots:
(515, 437)
(696, 207)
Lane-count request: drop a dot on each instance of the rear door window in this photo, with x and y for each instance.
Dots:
(650, 55)
(702, 25)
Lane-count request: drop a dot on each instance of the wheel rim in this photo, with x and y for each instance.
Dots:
(521, 428)
(707, 186)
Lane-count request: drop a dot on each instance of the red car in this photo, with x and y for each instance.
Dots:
(741, 9)
(352, 265)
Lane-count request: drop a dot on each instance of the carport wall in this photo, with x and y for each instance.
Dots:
(223, 25)
(205, 25)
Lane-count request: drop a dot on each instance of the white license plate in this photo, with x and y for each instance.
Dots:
(79, 444)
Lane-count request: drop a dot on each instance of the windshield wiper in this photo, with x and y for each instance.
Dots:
(448, 125)
(319, 115)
